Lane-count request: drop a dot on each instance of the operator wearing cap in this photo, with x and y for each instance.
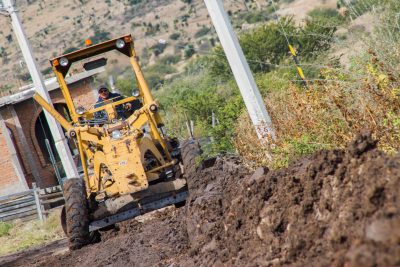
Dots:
(104, 95)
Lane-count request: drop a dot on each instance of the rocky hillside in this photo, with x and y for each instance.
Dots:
(56, 27)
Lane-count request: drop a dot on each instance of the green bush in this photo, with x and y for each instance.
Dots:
(3, 52)
(263, 47)
(126, 85)
(99, 35)
(266, 46)
(196, 96)
(314, 39)
(328, 16)
(357, 8)
(203, 31)
(255, 16)
(189, 51)
(154, 80)
(134, 2)
(175, 36)
(154, 74)
(160, 68)
(71, 49)
(170, 59)
(158, 48)
(5, 228)
(47, 71)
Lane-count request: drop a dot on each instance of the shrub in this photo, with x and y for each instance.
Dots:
(47, 71)
(99, 35)
(26, 76)
(5, 228)
(160, 68)
(170, 59)
(356, 8)
(175, 36)
(126, 85)
(327, 16)
(189, 51)
(263, 47)
(203, 31)
(3, 52)
(266, 46)
(134, 2)
(69, 50)
(158, 48)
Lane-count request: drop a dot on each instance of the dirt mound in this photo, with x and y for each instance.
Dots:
(333, 208)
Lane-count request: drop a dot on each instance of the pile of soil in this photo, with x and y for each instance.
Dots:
(333, 208)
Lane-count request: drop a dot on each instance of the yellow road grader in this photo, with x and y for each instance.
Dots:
(130, 166)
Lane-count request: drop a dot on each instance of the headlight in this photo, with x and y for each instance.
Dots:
(80, 110)
(153, 108)
(63, 61)
(120, 43)
(136, 93)
(116, 134)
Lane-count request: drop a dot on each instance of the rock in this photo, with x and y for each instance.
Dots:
(257, 176)
(212, 245)
(384, 230)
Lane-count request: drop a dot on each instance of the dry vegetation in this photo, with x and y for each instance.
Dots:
(331, 111)
(21, 235)
(324, 116)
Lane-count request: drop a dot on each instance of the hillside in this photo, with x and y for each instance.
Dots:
(55, 27)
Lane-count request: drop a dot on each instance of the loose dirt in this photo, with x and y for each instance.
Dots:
(333, 208)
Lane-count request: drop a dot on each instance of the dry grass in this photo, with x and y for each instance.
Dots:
(330, 113)
(327, 115)
(25, 235)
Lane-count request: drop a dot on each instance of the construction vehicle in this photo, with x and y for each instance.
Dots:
(130, 166)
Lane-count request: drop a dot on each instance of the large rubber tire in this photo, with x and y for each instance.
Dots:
(190, 151)
(77, 214)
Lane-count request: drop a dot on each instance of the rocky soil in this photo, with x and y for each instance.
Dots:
(333, 208)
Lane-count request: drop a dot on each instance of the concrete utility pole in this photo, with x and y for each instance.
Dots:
(58, 135)
(241, 70)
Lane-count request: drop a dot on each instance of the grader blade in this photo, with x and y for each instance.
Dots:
(142, 209)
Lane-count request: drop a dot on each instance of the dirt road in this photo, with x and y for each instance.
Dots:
(334, 208)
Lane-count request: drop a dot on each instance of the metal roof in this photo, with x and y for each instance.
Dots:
(51, 84)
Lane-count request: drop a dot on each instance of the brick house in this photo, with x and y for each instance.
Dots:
(26, 143)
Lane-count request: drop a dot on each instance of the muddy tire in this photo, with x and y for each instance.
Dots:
(76, 213)
(63, 218)
(190, 150)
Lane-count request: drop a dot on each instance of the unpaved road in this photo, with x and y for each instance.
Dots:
(334, 208)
